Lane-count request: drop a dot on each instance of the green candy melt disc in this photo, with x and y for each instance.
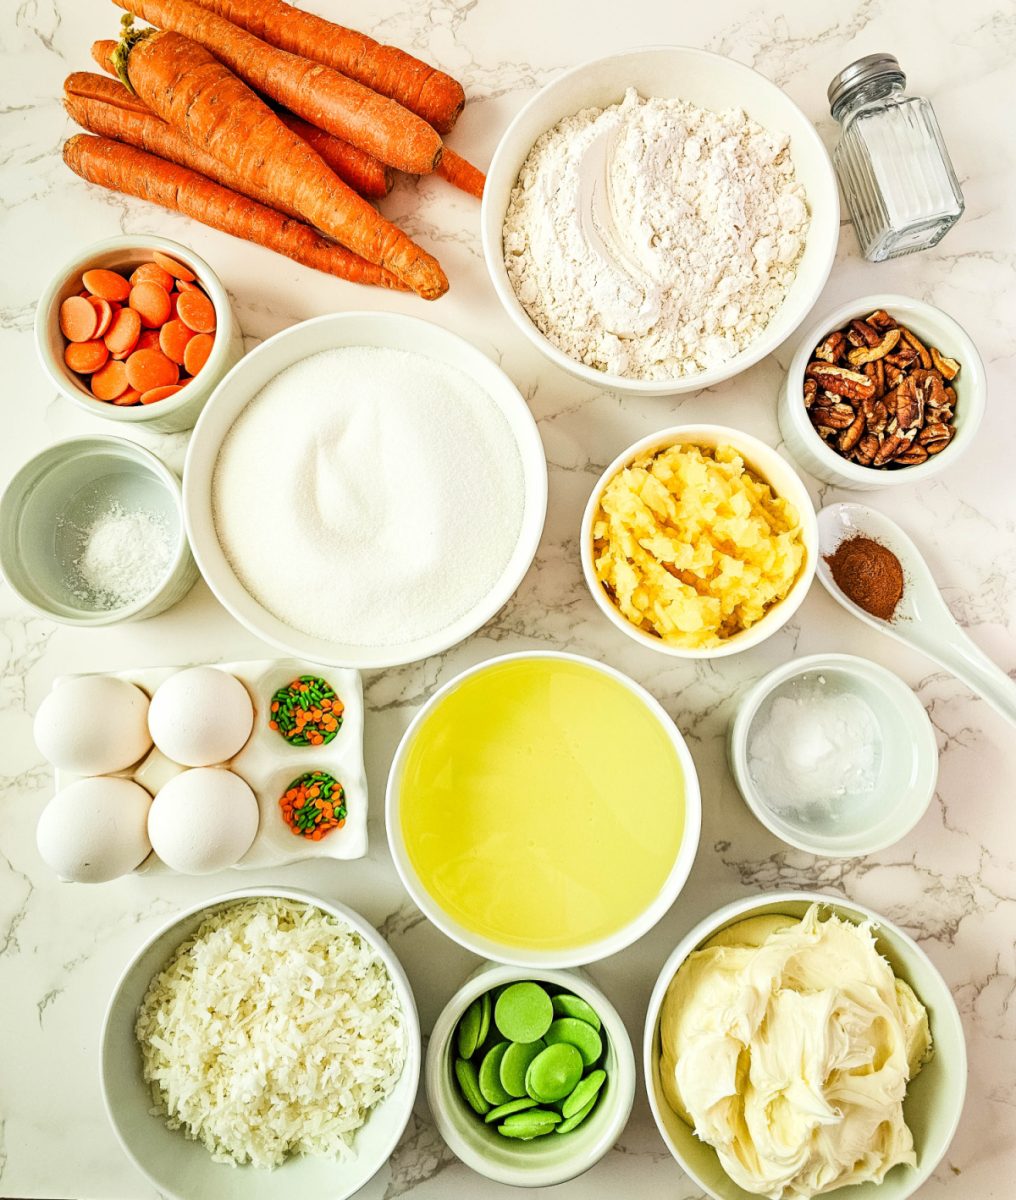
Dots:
(567, 1005)
(533, 1123)
(554, 1072)
(469, 1085)
(523, 1012)
(506, 1110)
(490, 1078)
(577, 1033)
(515, 1064)
(569, 1124)
(585, 1090)
(468, 1035)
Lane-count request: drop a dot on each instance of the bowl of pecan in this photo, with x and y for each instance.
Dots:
(882, 391)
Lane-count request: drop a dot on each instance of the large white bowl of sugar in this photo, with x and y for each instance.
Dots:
(365, 489)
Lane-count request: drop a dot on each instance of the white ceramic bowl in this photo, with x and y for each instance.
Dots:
(544, 1161)
(528, 957)
(123, 254)
(711, 81)
(181, 1168)
(58, 491)
(785, 482)
(934, 1099)
(282, 351)
(934, 328)
(908, 772)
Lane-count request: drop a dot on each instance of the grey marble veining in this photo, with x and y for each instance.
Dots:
(951, 883)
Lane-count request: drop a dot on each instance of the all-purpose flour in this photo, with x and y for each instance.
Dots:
(654, 239)
(369, 496)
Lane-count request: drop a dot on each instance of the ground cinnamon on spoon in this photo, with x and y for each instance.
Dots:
(869, 574)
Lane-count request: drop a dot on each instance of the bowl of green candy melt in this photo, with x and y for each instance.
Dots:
(530, 1074)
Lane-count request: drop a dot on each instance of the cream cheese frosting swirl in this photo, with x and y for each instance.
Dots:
(788, 1046)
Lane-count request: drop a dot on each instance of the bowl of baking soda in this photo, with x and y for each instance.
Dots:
(834, 754)
(91, 533)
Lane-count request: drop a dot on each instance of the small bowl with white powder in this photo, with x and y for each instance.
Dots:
(834, 754)
(657, 221)
(91, 533)
(365, 489)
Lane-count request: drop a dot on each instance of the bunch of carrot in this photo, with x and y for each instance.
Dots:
(271, 124)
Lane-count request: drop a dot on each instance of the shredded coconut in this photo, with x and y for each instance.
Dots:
(273, 1031)
(654, 239)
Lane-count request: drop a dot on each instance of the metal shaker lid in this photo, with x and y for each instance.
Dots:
(864, 70)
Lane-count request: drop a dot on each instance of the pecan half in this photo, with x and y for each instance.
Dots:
(810, 392)
(934, 438)
(867, 354)
(876, 373)
(912, 457)
(930, 386)
(860, 333)
(894, 445)
(833, 348)
(840, 381)
(832, 416)
(922, 350)
(866, 449)
(850, 436)
(905, 403)
(876, 415)
(949, 368)
(881, 319)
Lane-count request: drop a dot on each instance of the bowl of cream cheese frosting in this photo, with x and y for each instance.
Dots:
(797, 1045)
(659, 220)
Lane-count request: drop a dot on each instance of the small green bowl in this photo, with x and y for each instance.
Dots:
(52, 494)
(543, 1161)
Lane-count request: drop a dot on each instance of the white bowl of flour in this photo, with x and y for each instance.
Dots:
(365, 489)
(657, 221)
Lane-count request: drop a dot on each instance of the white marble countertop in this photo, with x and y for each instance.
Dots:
(951, 883)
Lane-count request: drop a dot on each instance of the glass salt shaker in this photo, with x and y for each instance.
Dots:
(899, 184)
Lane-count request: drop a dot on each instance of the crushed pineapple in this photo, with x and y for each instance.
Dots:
(693, 547)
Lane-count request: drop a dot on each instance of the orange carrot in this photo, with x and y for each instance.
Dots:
(318, 94)
(140, 127)
(423, 90)
(195, 93)
(362, 171)
(135, 173)
(463, 174)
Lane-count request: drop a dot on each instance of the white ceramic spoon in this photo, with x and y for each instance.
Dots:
(922, 618)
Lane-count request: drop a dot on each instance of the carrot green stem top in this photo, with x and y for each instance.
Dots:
(129, 38)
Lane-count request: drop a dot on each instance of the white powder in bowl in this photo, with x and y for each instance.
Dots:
(369, 496)
(654, 239)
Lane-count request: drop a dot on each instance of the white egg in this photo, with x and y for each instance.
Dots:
(204, 820)
(95, 829)
(201, 716)
(93, 725)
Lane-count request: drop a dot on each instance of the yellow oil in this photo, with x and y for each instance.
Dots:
(542, 804)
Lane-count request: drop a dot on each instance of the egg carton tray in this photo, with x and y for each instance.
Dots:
(269, 764)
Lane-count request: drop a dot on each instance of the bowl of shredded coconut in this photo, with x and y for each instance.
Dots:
(659, 220)
(262, 1044)
(365, 489)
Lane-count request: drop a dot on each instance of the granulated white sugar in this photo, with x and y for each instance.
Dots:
(369, 496)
